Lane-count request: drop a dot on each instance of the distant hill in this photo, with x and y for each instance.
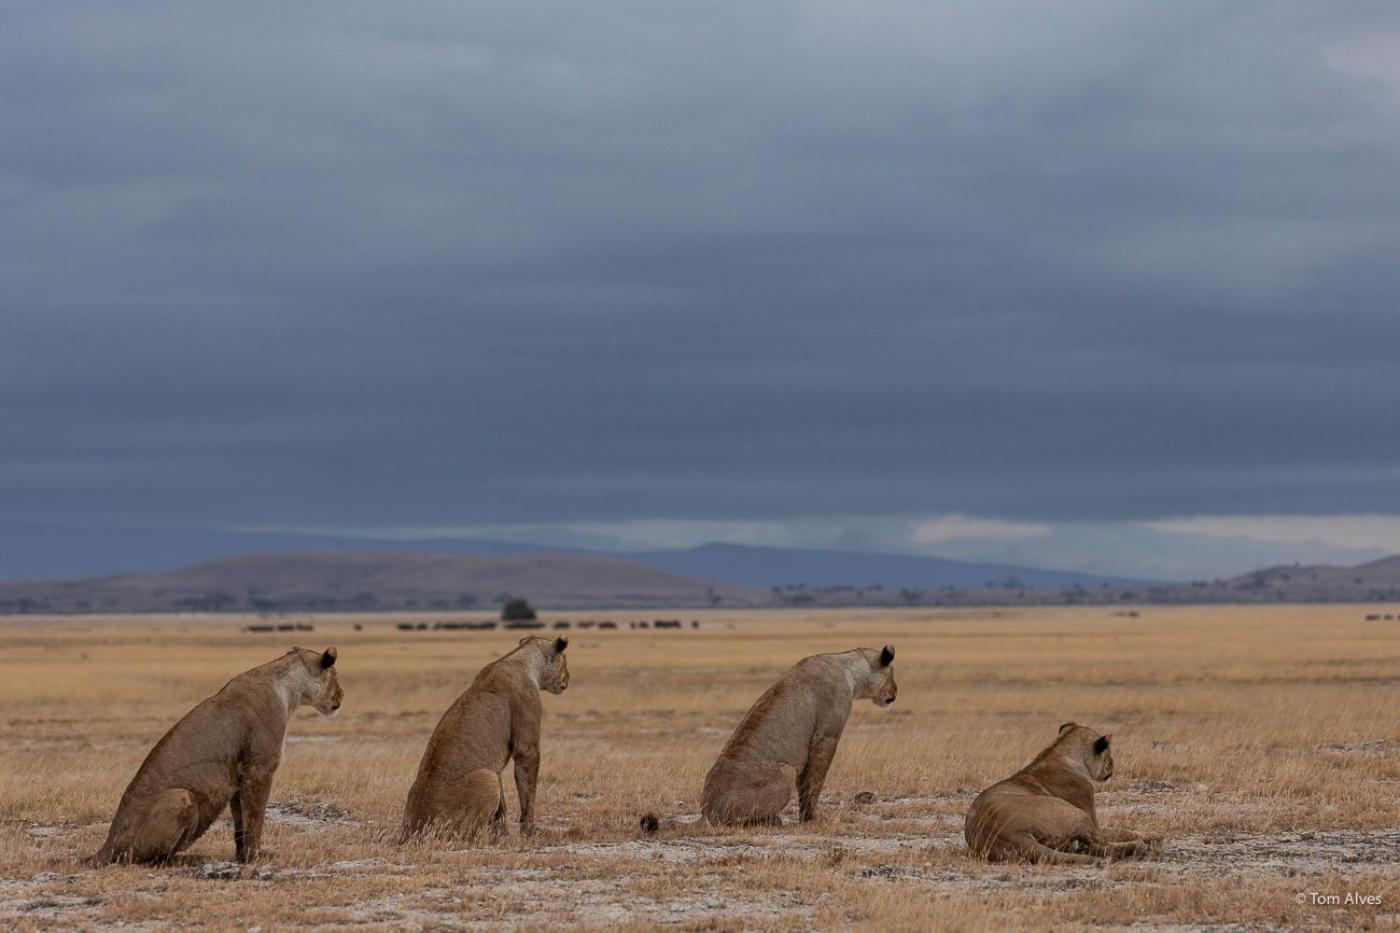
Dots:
(742, 565)
(368, 580)
(1376, 581)
(371, 580)
(35, 552)
(38, 552)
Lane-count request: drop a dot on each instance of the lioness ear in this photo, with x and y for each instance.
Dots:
(560, 644)
(328, 658)
(1066, 727)
(886, 656)
(1101, 745)
(524, 639)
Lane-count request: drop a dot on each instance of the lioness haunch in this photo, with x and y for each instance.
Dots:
(1042, 810)
(458, 791)
(222, 753)
(790, 736)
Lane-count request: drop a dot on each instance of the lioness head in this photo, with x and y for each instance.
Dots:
(555, 676)
(1095, 749)
(878, 686)
(319, 687)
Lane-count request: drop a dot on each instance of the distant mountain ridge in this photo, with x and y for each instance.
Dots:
(35, 552)
(375, 580)
(399, 578)
(1374, 581)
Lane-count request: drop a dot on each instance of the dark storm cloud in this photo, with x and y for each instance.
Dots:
(357, 264)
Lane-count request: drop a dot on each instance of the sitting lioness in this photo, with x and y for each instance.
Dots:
(790, 735)
(222, 753)
(1047, 807)
(458, 791)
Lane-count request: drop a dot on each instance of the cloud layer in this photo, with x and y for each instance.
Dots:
(347, 264)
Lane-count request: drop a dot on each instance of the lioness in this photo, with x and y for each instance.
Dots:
(790, 735)
(458, 791)
(222, 753)
(1042, 810)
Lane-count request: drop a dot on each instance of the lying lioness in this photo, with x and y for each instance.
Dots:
(223, 753)
(1047, 807)
(790, 735)
(458, 791)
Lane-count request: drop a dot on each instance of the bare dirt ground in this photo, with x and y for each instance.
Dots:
(1264, 744)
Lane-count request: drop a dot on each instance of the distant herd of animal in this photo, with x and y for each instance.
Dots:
(224, 752)
(486, 625)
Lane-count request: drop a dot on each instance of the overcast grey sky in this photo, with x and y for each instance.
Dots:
(695, 265)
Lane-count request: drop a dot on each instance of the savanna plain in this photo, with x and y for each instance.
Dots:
(1263, 743)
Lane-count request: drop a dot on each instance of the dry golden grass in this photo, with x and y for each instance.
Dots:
(1264, 743)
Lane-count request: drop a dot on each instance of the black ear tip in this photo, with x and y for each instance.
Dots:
(328, 658)
(1101, 745)
(561, 643)
(886, 656)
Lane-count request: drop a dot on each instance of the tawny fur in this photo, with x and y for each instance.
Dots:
(223, 753)
(789, 737)
(458, 791)
(1046, 809)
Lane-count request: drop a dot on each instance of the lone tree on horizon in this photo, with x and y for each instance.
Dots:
(517, 610)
